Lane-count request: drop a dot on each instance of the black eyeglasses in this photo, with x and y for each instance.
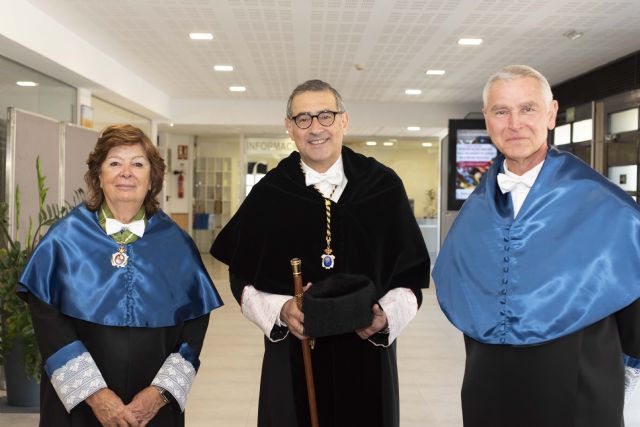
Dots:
(325, 118)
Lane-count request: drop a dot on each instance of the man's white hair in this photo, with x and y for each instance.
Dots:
(512, 72)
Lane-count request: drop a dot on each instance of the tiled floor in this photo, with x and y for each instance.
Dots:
(225, 394)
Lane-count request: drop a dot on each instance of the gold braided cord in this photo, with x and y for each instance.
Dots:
(327, 205)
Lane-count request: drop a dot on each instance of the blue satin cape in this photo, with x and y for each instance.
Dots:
(570, 258)
(163, 284)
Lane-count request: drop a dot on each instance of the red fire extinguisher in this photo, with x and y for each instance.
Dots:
(180, 185)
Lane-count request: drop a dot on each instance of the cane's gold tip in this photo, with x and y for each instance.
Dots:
(296, 266)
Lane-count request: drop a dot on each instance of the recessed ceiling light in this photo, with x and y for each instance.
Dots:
(371, 143)
(171, 125)
(237, 88)
(413, 128)
(573, 35)
(387, 144)
(435, 72)
(201, 36)
(427, 144)
(27, 84)
(223, 67)
(470, 42)
(413, 92)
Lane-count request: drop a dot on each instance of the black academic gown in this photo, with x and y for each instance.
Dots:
(128, 358)
(374, 233)
(574, 381)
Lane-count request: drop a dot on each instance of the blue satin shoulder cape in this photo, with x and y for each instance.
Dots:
(163, 284)
(570, 258)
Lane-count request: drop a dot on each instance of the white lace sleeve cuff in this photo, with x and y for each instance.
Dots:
(400, 305)
(631, 380)
(74, 374)
(263, 309)
(176, 376)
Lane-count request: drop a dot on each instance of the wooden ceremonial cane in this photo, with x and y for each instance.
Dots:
(296, 266)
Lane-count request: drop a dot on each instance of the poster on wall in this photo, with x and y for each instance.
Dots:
(474, 155)
(470, 154)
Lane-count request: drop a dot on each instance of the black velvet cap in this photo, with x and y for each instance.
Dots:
(338, 304)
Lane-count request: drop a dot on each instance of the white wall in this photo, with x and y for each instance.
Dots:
(173, 204)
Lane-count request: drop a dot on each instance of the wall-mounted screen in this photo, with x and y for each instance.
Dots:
(471, 153)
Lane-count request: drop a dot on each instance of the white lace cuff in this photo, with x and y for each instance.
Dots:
(631, 380)
(76, 380)
(176, 376)
(263, 309)
(400, 305)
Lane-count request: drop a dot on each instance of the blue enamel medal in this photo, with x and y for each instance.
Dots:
(327, 260)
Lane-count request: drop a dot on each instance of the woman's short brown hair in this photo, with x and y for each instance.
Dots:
(114, 136)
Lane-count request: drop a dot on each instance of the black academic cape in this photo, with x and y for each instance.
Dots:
(373, 233)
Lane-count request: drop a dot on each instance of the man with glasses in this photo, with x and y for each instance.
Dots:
(342, 214)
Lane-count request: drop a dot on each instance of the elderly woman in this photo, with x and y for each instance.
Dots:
(119, 297)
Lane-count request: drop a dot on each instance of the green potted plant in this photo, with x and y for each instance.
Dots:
(17, 338)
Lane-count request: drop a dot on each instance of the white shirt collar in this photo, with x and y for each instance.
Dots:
(531, 173)
(325, 187)
(520, 192)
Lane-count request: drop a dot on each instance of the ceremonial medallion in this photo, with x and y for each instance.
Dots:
(327, 261)
(120, 259)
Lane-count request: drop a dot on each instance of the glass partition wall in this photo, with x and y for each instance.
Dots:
(574, 131)
(622, 140)
(27, 89)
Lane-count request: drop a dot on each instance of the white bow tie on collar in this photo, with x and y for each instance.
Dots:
(312, 177)
(114, 226)
(508, 182)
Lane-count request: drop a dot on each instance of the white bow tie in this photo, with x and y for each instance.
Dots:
(508, 182)
(312, 177)
(114, 226)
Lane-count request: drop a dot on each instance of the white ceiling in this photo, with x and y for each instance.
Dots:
(276, 44)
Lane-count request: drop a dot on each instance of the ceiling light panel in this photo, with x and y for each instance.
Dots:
(470, 42)
(201, 36)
